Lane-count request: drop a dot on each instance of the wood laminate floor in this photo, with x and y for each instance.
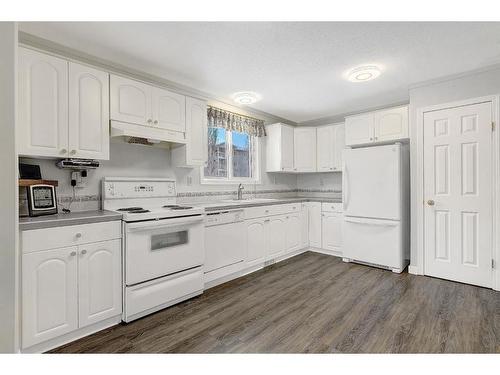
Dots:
(315, 303)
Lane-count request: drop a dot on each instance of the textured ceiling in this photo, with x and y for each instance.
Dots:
(296, 67)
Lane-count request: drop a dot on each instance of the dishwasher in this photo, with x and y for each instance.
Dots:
(224, 241)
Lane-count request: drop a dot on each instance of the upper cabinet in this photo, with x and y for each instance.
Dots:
(195, 151)
(304, 149)
(329, 145)
(138, 103)
(63, 108)
(43, 105)
(279, 148)
(377, 127)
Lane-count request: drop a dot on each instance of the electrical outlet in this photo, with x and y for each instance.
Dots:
(81, 182)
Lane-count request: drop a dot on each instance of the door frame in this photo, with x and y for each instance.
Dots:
(419, 268)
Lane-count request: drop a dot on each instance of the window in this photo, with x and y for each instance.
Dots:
(231, 157)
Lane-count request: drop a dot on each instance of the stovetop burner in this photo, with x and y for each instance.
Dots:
(128, 209)
(181, 208)
(170, 205)
(142, 211)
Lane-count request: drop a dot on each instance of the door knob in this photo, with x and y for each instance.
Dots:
(430, 202)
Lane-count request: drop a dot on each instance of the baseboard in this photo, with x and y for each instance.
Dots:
(326, 252)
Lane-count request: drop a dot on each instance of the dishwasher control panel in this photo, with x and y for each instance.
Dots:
(224, 217)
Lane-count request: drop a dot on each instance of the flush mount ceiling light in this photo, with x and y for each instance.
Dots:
(363, 73)
(246, 97)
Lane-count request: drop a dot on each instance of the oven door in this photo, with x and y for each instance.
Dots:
(158, 248)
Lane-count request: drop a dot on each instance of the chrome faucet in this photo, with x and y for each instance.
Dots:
(240, 192)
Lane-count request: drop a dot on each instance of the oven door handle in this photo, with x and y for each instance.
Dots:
(165, 223)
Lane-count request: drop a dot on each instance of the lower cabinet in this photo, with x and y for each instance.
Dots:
(69, 288)
(276, 235)
(256, 240)
(331, 229)
(314, 214)
(293, 232)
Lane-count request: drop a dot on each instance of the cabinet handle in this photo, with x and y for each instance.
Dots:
(63, 151)
(150, 121)
(73, 152)
(78, 235)
(84, 252)
(156, 122)
(73, 253)
(267, 221)
(371, 139)
(376, 138)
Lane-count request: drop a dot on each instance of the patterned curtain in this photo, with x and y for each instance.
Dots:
(219, 118)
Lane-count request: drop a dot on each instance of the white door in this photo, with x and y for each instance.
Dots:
(276, 236)
(331, 229)
(304, 142)
(293, 232)
(43, 105)
(458, 193)
(49, 294)
(304, 226)
(371, 182)
(169, 110)
(130, 101)
(88, 112)
(314, 210)
(256, 240)
(196, 132)
(287, 154)
(99, 281)
(325, 148)
(338, 146)
(359, 129)
(391, 124)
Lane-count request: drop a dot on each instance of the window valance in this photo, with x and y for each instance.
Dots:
(219, 118)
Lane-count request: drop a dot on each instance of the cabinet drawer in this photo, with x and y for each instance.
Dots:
(52, 238)
(331, 207)
(279, 209)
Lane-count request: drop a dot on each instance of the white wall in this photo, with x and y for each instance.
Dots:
(453, 89)
(8, 189)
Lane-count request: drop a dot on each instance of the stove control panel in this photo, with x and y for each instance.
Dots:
(138, 189)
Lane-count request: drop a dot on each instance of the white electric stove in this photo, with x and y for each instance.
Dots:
(163, 243)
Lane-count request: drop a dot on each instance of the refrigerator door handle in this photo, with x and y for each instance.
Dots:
(362, 220)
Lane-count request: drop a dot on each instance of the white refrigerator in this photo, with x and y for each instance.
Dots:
(376, 206)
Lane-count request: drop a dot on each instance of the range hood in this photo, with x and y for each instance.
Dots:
(145, 135)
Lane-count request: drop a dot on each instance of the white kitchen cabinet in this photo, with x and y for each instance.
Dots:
(169, 110)
(391, 124)
(256, 240)
(279, 148)
(195, 151)
(304, 148)
(130, 101)
(377, 127)
(49, 294)
(293, 232)
(99, 281)
(72, 286)
(304, 226)
(331, 230)
(43, 105)
(330, 141)
(314, 211)
(88, 112)
(276, 236)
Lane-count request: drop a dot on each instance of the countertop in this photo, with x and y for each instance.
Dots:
(221, 205)
(72, 218)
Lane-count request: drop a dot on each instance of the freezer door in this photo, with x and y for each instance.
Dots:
(372, 182)
(373, 241)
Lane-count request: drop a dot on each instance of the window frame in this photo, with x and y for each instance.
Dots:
(230, 179)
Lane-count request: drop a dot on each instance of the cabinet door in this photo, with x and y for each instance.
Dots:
(391, 124)
(256, 240)
(43, 105)
(359, 129)
(130, 101)
(314, 210)
(196, 132)
(99, 281)
(325, 148)
(338, 146)
(88, 112)
(169, 110)
(331, 231)
(287, 154)
(304, 149)
(49, 294)
(276, 236)
(304, 226)
(293, 232)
